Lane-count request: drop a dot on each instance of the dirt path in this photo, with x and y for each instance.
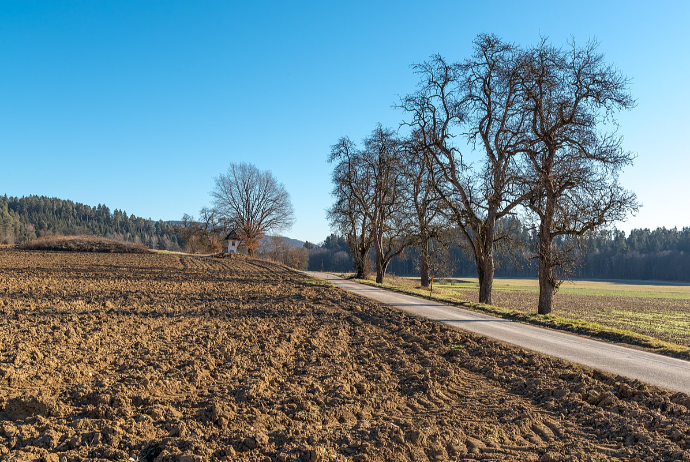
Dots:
(651, 368)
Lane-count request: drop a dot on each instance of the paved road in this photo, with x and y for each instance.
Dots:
(670, 373)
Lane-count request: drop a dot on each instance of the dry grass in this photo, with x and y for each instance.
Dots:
(620, 288)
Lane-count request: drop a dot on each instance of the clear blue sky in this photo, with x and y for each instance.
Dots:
(139, 105)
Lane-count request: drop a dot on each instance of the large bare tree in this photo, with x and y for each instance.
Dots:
(477, 101)
(253, 202)
(573, 155)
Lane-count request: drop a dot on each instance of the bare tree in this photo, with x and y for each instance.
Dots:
(351, 212)
(211, 224)
(480, 99)
(427, 205)
(253, 202)
(276, 248)
(370, 207)
(195, 235)
(279, 250)
(572, 162)
(390, 219)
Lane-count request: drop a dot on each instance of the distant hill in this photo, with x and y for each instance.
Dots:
(23, 219)
(293, 242)
(26, 218)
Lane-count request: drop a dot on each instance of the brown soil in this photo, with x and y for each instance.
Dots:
(173, 358)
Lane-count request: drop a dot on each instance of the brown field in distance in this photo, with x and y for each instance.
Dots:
(151, 357)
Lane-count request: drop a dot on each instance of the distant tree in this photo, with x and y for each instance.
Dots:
(333, 254)
(298, 258)
(370, 191)
(426, 203)
(194, 235)
(253, 202)
(212, 225)
(25, 218)
(354, 201)
(571, 162)
(279, 250)
(391, 219)
(335, 242)
(275, 248)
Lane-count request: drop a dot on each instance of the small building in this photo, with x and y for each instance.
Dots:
(233, 241)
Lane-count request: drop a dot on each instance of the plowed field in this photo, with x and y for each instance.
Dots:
(169, 358)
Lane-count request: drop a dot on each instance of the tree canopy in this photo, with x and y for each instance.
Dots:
(253, 202)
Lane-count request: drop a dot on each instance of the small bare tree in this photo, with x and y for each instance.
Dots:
(279, 250)
(390, 219)
(210, 223)
(370, 206)
(195, 234)
(571, 162)
(253, 202)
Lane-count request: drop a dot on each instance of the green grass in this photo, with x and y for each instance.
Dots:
(642, 315)
(612, 288)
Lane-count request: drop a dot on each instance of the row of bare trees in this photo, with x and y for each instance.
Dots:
(385, 200)
(511, 131)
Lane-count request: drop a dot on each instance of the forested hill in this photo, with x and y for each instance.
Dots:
(25, 218)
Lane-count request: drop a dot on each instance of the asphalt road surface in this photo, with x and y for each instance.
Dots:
(662, 371)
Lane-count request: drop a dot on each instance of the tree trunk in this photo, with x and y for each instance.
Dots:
(546, 288)
(547, 280)
(485, 273)
(360, 263)
(424, 263)
(380, 272)
(484, 258)
(380, 264)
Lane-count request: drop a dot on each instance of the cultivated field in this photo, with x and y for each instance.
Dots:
(174, 358)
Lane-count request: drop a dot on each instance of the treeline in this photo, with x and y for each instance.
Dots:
(661, 254)
(26, 218)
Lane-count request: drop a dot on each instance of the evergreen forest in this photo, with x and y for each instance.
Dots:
(26, 218)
